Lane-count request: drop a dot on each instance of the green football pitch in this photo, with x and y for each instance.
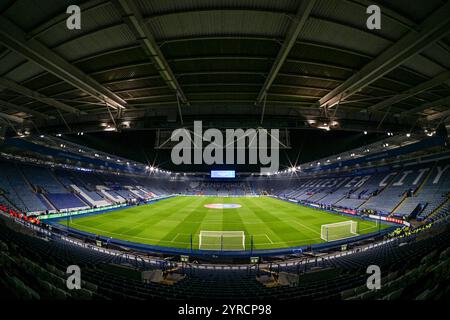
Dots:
(171, 222)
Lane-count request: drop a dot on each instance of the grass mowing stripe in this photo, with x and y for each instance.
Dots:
(170, 222)
(195, 211)
(261, 230)
(234, 216)
(283, 231)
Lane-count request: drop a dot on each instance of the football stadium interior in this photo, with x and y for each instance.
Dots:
(199, 149)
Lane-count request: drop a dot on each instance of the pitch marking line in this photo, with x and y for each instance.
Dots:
(268, 238)
(176, 236)
(128, 236)
(183, 242)
(306, 227)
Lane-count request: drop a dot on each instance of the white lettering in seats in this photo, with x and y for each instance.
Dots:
(402, 179)
(351, 182)
(362, 181)
(419, 177)
(440, 172)
(383, 182)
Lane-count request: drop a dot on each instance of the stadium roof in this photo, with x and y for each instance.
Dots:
(285, 63)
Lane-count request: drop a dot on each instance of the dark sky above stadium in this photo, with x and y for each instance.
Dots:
(306, 145)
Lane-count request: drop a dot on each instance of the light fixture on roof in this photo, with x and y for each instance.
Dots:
(110, 128)
(365, 132)
(408, 135)
(325, 127)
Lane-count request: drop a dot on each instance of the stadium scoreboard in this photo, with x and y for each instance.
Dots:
(223, 174)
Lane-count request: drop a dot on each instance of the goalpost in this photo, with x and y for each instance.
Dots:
(339, 230)
(221, 240)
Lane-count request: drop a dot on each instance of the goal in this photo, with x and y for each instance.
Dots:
(339, 230)
(221, 240)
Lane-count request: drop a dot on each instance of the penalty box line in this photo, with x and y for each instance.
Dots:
(184, 242)
(134, 237)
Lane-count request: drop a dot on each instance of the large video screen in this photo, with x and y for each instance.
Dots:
(223, 174)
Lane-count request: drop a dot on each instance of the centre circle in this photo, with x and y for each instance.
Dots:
(222, 206)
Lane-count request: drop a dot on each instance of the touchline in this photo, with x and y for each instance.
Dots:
(221, 150)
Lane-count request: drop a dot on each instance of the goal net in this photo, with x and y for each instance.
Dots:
(221, 240)
(339, 230)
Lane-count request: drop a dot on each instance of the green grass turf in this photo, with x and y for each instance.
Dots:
(273, 223)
